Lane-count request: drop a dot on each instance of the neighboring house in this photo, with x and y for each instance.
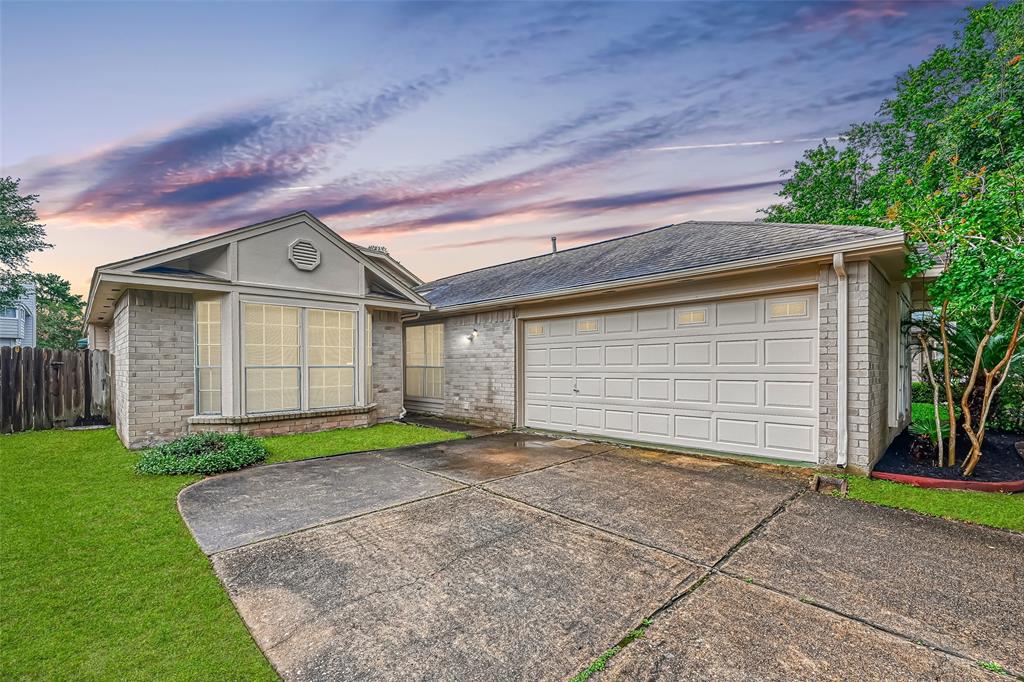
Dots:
(18, 322)
(780, 341)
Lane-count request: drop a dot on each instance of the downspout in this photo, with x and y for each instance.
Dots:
(843, 325)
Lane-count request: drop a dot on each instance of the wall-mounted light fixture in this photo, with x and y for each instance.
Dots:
(473, 334)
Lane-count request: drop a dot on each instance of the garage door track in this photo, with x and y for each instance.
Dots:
(516, 557)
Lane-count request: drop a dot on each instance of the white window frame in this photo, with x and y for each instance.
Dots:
(5, 316)
(308, 366)
(199, 366)
(359, 373)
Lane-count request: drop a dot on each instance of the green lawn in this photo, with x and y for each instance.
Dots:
(100, 579)
(998, 510)
(988, 509)
(307, 445)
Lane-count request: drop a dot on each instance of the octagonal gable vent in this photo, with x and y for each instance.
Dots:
(303, 254)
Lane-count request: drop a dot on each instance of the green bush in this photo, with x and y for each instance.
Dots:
(1009, 413)
(203, 453)
(921, 392)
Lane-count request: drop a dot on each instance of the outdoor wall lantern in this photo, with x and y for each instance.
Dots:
(473, 334)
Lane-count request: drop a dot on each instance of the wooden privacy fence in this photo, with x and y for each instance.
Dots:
(42, 388)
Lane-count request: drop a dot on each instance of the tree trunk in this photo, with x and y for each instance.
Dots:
(993, 382)
(951, 449)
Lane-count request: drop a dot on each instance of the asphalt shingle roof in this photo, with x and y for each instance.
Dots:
(667, 249)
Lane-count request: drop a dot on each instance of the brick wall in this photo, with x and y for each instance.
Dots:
(828, 364)
(277, 425)
(119, 349)
(480, 375)
(868, 365)
(154, 334)
(387, 381)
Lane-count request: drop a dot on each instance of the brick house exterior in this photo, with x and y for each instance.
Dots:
(776, 341)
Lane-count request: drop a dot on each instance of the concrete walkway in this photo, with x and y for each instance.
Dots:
(516, 557)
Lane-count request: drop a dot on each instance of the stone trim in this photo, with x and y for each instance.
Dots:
(281, 416)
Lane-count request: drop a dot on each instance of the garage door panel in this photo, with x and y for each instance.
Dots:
(785, 436)
(621, 356)
(653, 424)
(537, 386)
(560, 357)
(653, 389)
(785, 394)
(737, 352)
(693, 354)
(693, 391)
(736, 431)
(736, 392)
(738, 375)
(652, 354)
(619, 323)
(618, 420)
(797, 351)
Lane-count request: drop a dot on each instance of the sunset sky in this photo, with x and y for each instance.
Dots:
(456, 134)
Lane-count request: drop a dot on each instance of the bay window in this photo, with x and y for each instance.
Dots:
(208, 357)
(424, 361)
(298, 358)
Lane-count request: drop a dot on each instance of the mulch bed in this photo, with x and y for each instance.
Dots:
(1000, 462)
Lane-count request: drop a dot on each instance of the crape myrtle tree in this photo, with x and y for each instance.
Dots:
(944, 161)
(20, 235)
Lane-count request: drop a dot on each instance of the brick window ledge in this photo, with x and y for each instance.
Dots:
(280, 416)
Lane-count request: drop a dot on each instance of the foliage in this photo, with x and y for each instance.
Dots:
(20, 235)
(339, 441)
(998, 510)
(101, 579)
(203, 453)
(58, 312)
(922, 421)
(1009, 414)
(943, 161)
(921, 392)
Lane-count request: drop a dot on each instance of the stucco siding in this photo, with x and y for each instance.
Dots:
(480, 375)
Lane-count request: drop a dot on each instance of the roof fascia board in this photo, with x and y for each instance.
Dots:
(864, 247)
(170, 283)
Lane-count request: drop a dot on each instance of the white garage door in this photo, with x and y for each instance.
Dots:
(736, 376)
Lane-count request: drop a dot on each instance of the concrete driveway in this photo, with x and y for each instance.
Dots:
(514, 557)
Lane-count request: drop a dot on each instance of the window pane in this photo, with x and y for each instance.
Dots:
(414, 350)
(331, 386)
(434, 344)
(271, 389)
(208, 357)
(330, 337)
(271, 335)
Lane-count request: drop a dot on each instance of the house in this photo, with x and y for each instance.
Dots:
(18, 322)
(757, 339)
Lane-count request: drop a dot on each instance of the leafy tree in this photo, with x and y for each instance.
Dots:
(58, 312)
(944, 161)
(20, 235)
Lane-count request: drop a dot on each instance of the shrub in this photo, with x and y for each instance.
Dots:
(921, 392)
(203, 453)
(1009, 412)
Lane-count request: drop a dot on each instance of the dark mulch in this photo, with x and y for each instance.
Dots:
(999, 462)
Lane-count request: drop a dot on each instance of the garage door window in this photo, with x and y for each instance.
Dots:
(691, 317)
(788, 309)
(424, 361)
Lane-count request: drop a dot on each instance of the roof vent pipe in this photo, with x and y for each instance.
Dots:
(554, 245)
(843, 324)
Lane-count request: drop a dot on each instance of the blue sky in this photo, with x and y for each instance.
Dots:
(456, 134)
